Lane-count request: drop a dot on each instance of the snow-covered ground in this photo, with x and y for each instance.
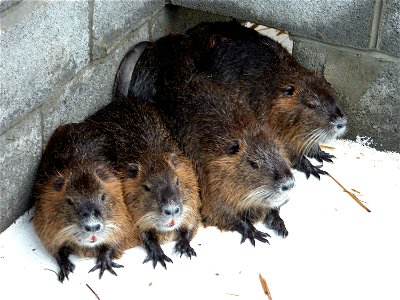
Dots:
(335, 249)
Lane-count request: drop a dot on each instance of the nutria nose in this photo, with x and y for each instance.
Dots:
(287, 185)
(171, 211)
(92, 228)
(341, 123)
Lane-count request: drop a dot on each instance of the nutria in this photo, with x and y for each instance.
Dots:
(79, 204)
(149, 66)
(160, 185)
(299, 105)
(243, 174)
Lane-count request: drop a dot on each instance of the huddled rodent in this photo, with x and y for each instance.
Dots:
(299, 105)
(160, 185)
(149, 66)
(79, 204)
(243, 174)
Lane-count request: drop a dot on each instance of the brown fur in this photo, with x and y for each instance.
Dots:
(75, 170)
(151, 163)
(225, 143)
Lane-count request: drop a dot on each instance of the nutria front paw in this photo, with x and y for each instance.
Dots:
(66, 267)
(321, 156)
(248, 231)
(105, 263)
(275, 222)
(308, 168)
(157, 255)
(183, 247)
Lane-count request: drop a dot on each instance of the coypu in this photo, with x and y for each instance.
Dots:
(147, 67)
(243, 174)
(79, 205)
(299, 105)
(160, 185)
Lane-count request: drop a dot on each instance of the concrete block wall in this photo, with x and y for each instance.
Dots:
(58, 60)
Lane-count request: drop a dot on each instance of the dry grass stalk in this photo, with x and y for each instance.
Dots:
(265, 286)
(98, 298)
(355, 191)
(326, 147)
(351, 194)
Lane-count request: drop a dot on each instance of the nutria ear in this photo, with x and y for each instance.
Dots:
(132, 170)
(232, 147)
(102, 173)
(173, 159)
(58, 183)
(217, 39)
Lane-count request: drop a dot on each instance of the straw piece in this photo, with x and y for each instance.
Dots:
(98, 298)
(326, 147)
(351, 194)
(265, 286)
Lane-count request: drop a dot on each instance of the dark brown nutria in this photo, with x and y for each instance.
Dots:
(243, 174)
(149, 66)
(79, 204)
(299, 105)
(160, 184)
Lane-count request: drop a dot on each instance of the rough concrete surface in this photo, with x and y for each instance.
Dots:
(111, 19)
(36, 53)
(389, 33)
(344, 22)
(20, 149)
(5, 4)
(88, 91)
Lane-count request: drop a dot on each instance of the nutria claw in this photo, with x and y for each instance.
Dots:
(65, 268)
(157, 255)
(308, 168)
(106, 264)
(321, 156)
(275, 222)
(248, 231)
(183, 247)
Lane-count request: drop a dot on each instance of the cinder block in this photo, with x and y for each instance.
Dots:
(343, 22)
(89, 90)
(113, 19)
(43, 44)
(368, 89)
(20, 149)
(389, 30)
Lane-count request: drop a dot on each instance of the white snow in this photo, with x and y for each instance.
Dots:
(335, 249)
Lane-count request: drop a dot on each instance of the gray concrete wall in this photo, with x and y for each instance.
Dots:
(58, 60)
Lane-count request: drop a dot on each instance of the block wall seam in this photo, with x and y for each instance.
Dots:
(376, 24)
(371, 52)
(90, 28)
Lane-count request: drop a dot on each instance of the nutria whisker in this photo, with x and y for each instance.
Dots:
(258, 196)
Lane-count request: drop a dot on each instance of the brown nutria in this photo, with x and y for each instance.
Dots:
(243, 174)
(299, 105)
(79, 204)
(149, 66)
(160, 184)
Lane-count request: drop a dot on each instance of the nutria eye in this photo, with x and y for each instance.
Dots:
(289, 90)
(69, 201)
(103, 197)
(177, 181)
(312, 105)
(146, 187)
(253, 164)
